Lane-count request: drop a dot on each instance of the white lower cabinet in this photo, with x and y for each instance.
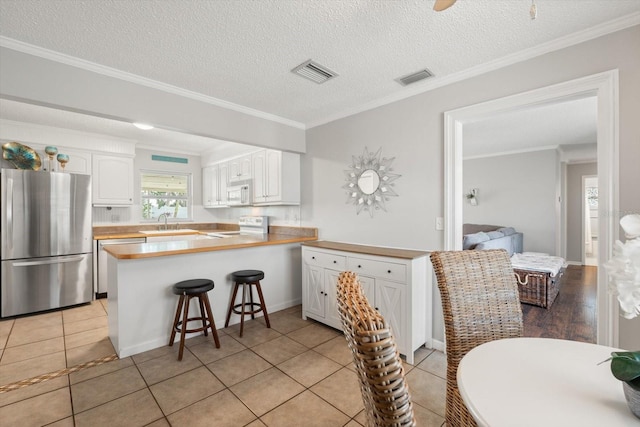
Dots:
(398, 285)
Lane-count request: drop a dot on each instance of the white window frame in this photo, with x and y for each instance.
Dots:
(188, 197)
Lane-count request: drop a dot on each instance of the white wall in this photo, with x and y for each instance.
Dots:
(412, 131)
(516, 190)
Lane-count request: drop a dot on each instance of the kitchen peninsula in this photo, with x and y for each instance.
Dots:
(140, 276)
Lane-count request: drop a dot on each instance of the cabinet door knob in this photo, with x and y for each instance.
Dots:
(313, 257)
(359, 266)
(335, 262)
(389, 271)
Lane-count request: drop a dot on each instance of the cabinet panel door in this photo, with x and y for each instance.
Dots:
(240, 169)
(314, 298)
(391, 302)
(223, 179)
(273, 178)
(258, 164)
(112, 180)
(208, 183)
(331, 296)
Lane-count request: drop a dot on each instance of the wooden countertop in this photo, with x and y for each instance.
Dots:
(180, 247)
(133, 231)
(134, 234)
(367, 250)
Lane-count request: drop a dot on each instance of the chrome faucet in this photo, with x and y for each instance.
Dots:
(165, 215)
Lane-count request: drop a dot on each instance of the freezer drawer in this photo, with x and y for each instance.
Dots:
(37, 284)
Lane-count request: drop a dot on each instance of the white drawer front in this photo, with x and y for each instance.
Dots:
(382, 269)
(321, 259)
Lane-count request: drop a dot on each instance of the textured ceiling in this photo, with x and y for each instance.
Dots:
(242, 51)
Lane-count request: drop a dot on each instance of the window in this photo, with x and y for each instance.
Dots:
(166, 193)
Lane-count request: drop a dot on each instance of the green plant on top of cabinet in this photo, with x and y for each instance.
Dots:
(276, 178)
(112, 180)
(240, 168)
(214, 185)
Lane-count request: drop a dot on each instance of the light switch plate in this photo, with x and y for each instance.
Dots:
(439, 223)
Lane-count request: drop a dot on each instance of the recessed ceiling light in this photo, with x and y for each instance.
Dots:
(143, 126)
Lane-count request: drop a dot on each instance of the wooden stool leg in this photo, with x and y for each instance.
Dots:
(231, 304)
(253, 314)
(183, 329)
(176, 319)
(212, 323)
(203, 315)
(262, 304)
(244, 299)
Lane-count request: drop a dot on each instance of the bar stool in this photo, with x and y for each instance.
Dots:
(247, 278)
(187, 289)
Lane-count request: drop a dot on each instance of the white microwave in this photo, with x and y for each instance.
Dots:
(239, 195)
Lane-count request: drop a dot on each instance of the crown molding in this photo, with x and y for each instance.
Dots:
(512, 152)
(526, 54)
(136, 79)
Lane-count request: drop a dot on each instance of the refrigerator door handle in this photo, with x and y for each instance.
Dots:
(57, 260)
(9, 213)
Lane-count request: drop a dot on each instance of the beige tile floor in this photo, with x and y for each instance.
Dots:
(296, 373)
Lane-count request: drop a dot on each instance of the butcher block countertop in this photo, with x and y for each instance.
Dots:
(278, 235)
(103, 232)
(367, 250)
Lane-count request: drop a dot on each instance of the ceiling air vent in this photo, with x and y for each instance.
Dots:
(414, 77)
(314, 72)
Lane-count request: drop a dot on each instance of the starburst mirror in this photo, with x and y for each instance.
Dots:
(370, 181)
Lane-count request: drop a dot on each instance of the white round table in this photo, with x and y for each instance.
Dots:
(542, 382)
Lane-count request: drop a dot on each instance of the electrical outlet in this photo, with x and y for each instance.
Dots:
(439, 223)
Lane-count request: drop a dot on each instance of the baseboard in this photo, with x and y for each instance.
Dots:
(438, 345)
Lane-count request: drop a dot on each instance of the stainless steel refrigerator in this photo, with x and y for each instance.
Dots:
(46, 241)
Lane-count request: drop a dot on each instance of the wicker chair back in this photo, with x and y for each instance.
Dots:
(480, 303)
(385, 394)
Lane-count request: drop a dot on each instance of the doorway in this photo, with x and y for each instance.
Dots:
(604, 87)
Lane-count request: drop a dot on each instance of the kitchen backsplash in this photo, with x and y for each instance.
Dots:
(278, 215)
(114, 215)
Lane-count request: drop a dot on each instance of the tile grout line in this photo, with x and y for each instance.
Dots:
(55, 374)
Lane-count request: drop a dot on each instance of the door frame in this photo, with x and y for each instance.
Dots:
(604, 86)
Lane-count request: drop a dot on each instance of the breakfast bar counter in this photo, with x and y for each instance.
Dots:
(141, 304)
(158, 249)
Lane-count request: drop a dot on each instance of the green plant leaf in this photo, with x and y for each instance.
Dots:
(625, 365)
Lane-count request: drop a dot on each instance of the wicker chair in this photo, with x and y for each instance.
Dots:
(480, 303)
(385, 394)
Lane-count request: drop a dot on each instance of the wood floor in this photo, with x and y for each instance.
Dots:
(573, 314)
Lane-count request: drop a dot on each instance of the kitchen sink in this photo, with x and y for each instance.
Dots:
(180, 231)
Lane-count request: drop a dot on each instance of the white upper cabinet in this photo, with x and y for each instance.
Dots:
(214, 185)
(276, 178)
(112, 180)
(79, 162)
(240, 168)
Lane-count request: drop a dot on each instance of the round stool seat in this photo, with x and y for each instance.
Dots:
(247, 276)
(193, 287)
